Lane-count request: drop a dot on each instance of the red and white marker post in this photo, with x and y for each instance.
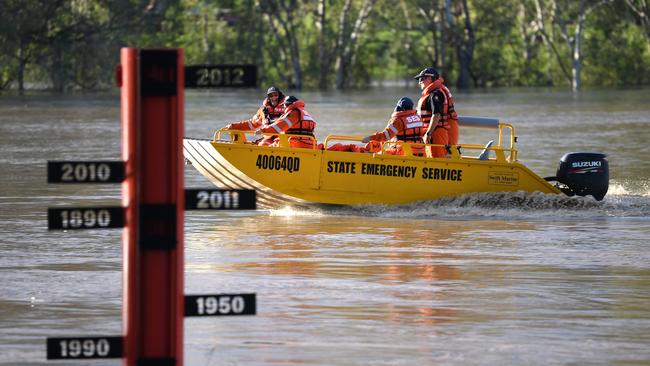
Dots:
(152, 90)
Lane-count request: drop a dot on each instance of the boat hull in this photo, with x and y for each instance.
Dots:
(286, 175)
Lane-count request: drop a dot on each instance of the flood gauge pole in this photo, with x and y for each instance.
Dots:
(152, 83)
(152, 93)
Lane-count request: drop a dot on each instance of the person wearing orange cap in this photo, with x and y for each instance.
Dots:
(295, 121)
(272, 108)
(404, 125)
(436, 108)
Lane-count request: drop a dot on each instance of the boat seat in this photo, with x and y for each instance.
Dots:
(485, 154)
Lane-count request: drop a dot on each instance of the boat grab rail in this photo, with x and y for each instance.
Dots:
(340, 137)
(454, 150)
(235, 136)
(239, 137)
(506, 132)
(285, 139)
(512, 157)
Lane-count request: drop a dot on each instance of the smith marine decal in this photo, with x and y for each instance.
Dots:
(271, 162)
(581, 167)
(503, 178)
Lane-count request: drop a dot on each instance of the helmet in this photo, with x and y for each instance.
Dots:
(429, 71)
(404, 104)
(289, 100)
(273, 89)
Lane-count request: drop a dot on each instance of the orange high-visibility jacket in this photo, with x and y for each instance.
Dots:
(425, 105)
(264, 116)
(405, 125)
(295, 120)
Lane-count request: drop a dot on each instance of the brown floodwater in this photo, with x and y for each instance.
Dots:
(482, 279)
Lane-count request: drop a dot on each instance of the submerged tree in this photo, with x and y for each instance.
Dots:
(348, 39)
(568, 23)
(641, 12)
(74, 44)
(283, 19)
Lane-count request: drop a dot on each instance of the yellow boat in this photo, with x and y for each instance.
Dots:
(284, 175)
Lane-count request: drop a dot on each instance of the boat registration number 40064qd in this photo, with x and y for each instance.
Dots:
(273, 162)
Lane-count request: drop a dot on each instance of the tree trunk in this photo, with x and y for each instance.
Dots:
(357, 32)
(295, 62)
(573, 42)
(280, 58)
(436, 27)
(206, 38)
(550, 43)
(290, 30)
(348, 53)
(526, 34)
(576, 82)
(290, 35)
(322, 52)
(642, 13)
(408, 60)
(465, 50)
(22, 61)
(444, 34)
(464, 64)
(58, 70)
(341, 45)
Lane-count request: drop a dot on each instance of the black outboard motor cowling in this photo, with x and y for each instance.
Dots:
(584, 173)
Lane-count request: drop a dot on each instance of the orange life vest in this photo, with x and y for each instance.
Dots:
(412, 126)
(425, 109)
(273, 112)
(295, 120)
(264, 116)
(404, 125)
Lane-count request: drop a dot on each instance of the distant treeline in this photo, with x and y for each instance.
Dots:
(66, 45)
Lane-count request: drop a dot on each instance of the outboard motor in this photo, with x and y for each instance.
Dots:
(583, 173)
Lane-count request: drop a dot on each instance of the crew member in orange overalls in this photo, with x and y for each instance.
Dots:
(405, 125)
(436, 108)
(296, 121)
(272, 108)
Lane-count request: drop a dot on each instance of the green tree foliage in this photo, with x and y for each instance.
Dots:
(69, 45)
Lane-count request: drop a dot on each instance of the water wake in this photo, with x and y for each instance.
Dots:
(618, 203)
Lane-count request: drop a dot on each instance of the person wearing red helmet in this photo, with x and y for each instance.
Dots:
(272, 108)
(436, 108)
